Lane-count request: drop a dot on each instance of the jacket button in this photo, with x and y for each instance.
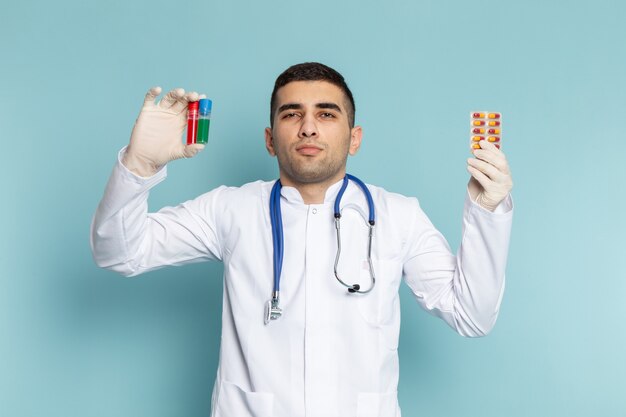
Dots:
(314, 211)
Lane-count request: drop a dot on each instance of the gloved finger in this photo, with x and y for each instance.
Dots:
(185, 151)
(151, 96)
(201, 96)
(482, 179)
(492, 155)
(184, 101)
(490, 146)
(485, 144)
(192, 150)
(192, 96)
(171, 98)
(486, 148)
(181, 102)
(496, 160)
(487, 169)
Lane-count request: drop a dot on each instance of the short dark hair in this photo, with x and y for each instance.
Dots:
(312, 71)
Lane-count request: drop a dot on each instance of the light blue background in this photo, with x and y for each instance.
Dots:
(79, 341)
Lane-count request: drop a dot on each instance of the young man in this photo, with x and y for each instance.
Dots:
(326, 343)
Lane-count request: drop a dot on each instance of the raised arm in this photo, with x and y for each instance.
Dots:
(466, 290)
(124, 236)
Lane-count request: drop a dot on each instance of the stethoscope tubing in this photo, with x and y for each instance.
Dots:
(277, 235)
(366, 192)
(273, 311)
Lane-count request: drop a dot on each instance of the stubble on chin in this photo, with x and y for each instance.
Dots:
(304, 172)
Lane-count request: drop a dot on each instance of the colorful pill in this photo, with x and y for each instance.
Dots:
(485, 125)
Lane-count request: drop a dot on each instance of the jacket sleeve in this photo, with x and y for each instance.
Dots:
(464, 290)
(127, 239)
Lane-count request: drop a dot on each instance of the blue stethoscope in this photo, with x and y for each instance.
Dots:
(272, 310)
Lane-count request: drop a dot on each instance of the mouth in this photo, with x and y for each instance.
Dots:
(308, 150)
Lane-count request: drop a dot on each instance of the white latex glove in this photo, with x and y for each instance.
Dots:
(491, 178)
(156, 137)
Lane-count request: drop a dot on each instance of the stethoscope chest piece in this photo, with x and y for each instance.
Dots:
(272, 311)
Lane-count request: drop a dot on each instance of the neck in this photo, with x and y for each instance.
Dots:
(312, 193)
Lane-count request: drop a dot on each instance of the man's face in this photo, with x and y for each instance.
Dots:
(311, 135)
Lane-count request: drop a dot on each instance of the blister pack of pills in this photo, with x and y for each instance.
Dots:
(485, 126)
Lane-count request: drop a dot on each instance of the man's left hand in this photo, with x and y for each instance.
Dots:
(491, 178)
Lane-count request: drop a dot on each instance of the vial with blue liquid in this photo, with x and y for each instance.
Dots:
(204, 120)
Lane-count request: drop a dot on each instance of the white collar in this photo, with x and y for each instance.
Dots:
(292, 195)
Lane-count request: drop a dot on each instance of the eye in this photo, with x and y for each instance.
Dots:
(289, 115)
(327, 115)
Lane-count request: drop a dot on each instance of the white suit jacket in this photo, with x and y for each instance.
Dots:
(331, 353)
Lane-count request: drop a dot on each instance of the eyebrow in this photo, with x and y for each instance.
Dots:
(297, 106)
(331, 106)
(289, 106)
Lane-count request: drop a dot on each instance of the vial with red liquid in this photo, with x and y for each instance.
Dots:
(192, 122)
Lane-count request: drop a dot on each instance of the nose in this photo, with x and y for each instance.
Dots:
(308, 128)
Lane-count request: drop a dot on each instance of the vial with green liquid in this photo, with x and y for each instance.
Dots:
(204, 120)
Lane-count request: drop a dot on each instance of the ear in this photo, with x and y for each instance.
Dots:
(269, 141)
(356, 134)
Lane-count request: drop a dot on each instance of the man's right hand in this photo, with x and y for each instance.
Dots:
(156, 137)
